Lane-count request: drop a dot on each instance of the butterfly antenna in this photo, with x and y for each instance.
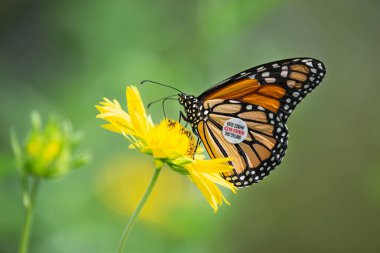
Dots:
(149, 81)
(165, 98)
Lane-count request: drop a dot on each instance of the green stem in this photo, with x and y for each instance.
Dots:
(136, 213)
(23, 246)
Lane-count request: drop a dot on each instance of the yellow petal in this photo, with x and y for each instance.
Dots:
(139, 119)
(111, 128)
(218, 165)
(203, 187)
(206, 181)
(134, 101)
(216, 178)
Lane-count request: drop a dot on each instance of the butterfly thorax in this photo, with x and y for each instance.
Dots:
(194, 109)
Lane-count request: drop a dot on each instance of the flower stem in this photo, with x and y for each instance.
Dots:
(23, 246)
(137, 211)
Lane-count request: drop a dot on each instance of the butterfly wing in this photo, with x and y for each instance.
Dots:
(255, 156)
(277, 86)
(263, 97)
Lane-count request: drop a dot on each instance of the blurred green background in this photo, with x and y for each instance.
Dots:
(62, 57)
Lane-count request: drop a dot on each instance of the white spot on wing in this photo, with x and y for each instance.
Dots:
(261, 68)
(261, 108)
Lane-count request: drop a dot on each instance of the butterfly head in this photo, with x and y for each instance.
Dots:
(193, 108)
(182, 98)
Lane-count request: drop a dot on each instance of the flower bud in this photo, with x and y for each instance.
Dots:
(48, 151)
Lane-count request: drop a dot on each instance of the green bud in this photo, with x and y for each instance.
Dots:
(48, 151)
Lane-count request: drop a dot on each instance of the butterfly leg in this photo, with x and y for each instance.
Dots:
(182, 116)
(196, 146)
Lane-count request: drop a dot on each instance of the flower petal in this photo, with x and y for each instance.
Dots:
(139, 119)
(217, 165)
(205, 190)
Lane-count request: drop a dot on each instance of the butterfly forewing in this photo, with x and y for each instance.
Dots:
(276, 86)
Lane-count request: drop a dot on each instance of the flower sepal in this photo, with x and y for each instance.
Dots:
(179, 169)
(179, 164)
(182, 161)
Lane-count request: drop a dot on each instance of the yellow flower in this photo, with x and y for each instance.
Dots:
(168, 142)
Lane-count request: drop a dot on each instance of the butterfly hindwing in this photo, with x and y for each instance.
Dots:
(261, 150)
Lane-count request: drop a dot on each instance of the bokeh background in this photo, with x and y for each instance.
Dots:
(62, 57)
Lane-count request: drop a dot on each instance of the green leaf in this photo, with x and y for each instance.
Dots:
(16, 150)
(36, 120)
(81, 161)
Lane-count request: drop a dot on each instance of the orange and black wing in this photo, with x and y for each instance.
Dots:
(261, 150)
(263, 97)
(277, 86)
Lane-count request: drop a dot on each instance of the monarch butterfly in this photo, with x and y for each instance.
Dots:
(244, 116)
